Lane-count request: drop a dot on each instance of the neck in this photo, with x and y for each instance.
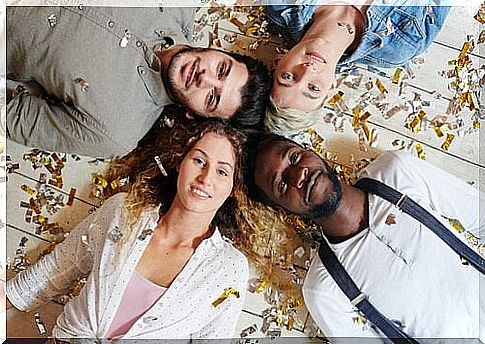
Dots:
(184, 227)
(350, 218)
(338, 28)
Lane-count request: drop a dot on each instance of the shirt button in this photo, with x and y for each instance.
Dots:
(138, 43)
(143, 72)
(111, 23)
(81, 8)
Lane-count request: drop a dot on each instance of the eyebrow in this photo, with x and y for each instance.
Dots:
(308, 95)
(219, 162)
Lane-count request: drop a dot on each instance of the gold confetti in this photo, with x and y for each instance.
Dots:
(397, 76)
(70, 199)
(447, 143)
(480, 16)
(28, 189)
(391, 219)
(420, 151)
(380, 86)
(415, 124)
(456, 225)
(227, 292)
(335, 98)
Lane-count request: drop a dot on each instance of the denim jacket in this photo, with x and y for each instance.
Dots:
(394, 34)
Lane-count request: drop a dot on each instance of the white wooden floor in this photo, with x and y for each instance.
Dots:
(463, 157)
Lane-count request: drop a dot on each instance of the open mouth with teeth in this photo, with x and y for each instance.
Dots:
(310, 186)
(199, 192)
(188, 72)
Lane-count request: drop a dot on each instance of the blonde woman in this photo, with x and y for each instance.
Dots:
(156, 257)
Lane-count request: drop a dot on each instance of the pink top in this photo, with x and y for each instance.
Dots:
(139, 296)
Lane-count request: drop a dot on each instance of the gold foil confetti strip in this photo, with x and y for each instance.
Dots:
(391, 219)
(380, 86)
(420, 151)
(415, 123)
(317, 142)
(335, 98)
(28, 190)
(70, 199)
(456, 225)
(40, 324)
(227, 292)
(437, 130)
(480, 15)
(397, 76)
(472, 239)
(446, 145)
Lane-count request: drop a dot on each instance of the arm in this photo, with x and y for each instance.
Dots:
(55, 273)
(58, 126)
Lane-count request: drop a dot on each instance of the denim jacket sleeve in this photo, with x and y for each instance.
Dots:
(291, 18)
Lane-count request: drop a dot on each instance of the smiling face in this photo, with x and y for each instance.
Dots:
(206, 81)
(297, 180)
(302, 78)
(206, 174)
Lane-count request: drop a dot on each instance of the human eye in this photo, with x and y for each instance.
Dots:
(221, 71)
(287, 76)
(222, 173)
(282, 187)
(199, 161)
(295, 158)
(313, 88)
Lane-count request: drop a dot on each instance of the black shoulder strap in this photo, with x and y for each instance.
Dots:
(358, 299)
(414, 210)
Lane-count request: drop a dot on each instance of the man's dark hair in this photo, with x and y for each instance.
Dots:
(254, 94)
(255, 143)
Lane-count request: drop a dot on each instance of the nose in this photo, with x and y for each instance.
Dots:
(206, 79)
(297, 176)
(204, 176)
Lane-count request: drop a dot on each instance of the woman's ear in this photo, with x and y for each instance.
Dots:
(189, 114)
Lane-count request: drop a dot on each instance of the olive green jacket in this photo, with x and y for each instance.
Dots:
(102, 89)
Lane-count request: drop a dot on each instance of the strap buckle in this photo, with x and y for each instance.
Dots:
(358, 299)
(401, 201)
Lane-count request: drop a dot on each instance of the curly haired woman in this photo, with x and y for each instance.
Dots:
(155, 256)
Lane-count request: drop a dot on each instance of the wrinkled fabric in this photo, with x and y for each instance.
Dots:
(102, 88)
(414, 23)
(185, 310)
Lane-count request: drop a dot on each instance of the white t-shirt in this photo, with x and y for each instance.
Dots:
(408, 273)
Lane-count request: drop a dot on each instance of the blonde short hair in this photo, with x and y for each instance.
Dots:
(287, 122)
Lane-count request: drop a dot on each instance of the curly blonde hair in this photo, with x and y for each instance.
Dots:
(239, 219)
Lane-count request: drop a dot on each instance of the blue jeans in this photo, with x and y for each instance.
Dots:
(414, 24)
